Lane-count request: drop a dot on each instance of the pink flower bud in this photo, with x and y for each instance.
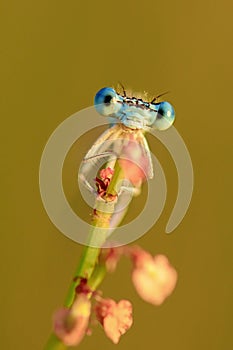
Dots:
(116, 318)
(153, 277)
(110, 257)
(136, 163)
(70, 325)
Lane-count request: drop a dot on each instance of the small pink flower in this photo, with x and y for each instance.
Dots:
(103, 181)
(153, 277)
(106, 173)
(70, 325)
(116, 318)
(110, 257)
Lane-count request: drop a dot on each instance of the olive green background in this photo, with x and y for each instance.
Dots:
(55, 55)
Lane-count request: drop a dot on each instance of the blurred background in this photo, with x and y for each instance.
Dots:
(54, 57)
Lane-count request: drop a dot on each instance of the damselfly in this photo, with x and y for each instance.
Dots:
(131, 117)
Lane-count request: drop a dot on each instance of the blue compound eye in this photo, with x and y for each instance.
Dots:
(165, 116)
(105, 101)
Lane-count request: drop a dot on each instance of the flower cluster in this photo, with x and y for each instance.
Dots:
(154, 280)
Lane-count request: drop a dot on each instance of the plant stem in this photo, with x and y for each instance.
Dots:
(88, 266)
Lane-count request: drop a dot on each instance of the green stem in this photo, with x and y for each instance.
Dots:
(97, 277)
(118, 175)
(84, 270)
(54, 343)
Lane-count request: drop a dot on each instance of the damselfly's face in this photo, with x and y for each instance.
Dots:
(133, 112)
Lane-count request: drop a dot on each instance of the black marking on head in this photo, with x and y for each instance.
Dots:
(160, 114)
(107, 99)
(138, 103)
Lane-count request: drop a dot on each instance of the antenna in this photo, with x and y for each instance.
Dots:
(122, 86)
(158, 96)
